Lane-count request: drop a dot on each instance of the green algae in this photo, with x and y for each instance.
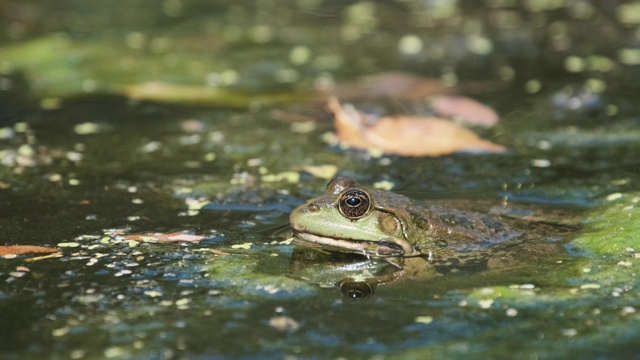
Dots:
(612, 229)
(59, 65)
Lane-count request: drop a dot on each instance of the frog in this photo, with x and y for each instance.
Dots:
(351, 218)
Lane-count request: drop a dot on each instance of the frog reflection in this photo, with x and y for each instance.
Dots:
(355, 276)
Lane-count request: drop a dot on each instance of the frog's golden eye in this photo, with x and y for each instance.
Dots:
(354, 204)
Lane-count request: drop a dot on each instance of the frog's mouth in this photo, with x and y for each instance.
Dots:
(381, 248)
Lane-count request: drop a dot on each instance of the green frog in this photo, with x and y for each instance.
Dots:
(351, 218)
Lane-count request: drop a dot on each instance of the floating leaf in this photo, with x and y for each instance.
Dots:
(25, 249)
(44, 257)
(424, 319)
(321, 171)
(468, 110)
(68, 244)
(288, 176)
(405, 135)
(184, 237)
(219, 252)
(384, 185)
(164, 237)
(88, 128)
(246, 246)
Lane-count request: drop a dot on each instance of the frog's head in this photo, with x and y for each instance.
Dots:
(350, 218)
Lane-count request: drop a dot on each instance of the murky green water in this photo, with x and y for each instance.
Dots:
(84, 165)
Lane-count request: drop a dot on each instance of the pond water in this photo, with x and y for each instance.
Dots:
(93, 163)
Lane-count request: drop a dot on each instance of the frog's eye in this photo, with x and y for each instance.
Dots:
(354, 204)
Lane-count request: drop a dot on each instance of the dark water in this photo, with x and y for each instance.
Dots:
(83, 165)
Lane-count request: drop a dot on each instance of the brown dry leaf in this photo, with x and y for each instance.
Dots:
(164, 237)
(45, 257)
(405, 135)
(219, 252)
(25, 249)
(470, 111)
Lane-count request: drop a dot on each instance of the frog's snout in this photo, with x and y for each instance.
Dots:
(299, 212)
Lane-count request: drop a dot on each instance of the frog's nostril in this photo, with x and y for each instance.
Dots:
(313, 207)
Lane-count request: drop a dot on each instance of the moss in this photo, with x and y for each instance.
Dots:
(613, 229)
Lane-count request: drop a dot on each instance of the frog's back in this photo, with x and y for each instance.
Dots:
(440, 231)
